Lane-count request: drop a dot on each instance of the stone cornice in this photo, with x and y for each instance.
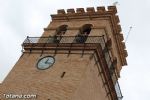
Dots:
(80, 13)
(99, 13)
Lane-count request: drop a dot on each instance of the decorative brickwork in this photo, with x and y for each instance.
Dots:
(91, 14)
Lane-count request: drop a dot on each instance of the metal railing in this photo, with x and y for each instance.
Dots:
(118, 91)
(65, 39)
(80, 40)
(113, 74)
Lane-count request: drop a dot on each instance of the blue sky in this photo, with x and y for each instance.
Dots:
(21, 18)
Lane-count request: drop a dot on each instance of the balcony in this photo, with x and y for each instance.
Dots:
(62, 42)
(64, 39)
(79, 43)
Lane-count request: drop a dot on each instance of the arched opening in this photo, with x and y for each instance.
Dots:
(86, 29)
(61, 30)
(83, 34)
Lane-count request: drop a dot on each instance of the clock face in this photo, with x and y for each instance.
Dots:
(45, 62)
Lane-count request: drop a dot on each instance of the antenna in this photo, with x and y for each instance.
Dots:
(115, 3)
(128, 34)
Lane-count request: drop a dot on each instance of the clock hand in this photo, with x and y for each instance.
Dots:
(49, 63)
(46, 61)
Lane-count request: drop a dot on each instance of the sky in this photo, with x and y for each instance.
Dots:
(21, 18)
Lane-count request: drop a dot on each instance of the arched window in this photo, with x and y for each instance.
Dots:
(86, 29)
(61, 30)
(83, 34)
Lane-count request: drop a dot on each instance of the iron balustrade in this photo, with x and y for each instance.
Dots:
(64, 39)
(112, 71)
(118, 91)
(80, 40)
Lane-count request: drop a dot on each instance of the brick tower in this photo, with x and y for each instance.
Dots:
(78, 57)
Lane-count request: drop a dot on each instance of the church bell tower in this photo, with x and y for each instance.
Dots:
(78, 57)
